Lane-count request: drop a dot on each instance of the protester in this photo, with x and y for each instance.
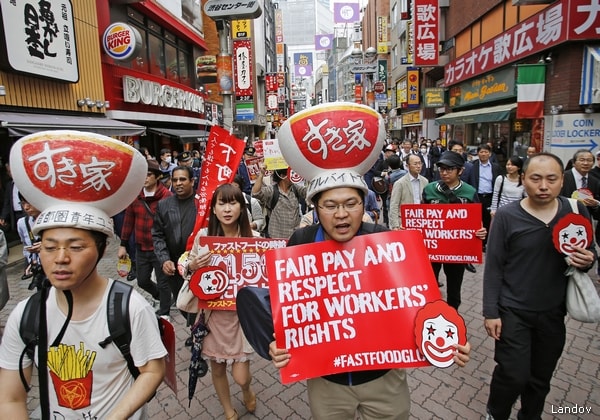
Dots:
(225, 345)
(173, 224)
(166, 162)
(508, 188)
(284, 213)
(81, 374)
(524, 291)
(448, 190)
(138, 221)
(186, 159)
(31, 242)
(407, 190)
(338, 195)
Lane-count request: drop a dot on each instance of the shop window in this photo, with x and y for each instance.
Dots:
(162, 53)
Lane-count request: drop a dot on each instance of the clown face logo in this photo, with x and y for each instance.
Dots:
(438, 328)
(570, 231)
(572, 235)
(439, 337)
(209, 282)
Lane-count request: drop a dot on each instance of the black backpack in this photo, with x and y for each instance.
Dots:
(117, 317)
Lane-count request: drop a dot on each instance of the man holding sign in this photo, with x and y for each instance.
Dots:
(450, 189)
(338, 195)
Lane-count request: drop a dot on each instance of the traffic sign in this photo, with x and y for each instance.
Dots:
(379, 87)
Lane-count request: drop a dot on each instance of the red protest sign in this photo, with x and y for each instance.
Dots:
(242, 261)
(448, 230)
(354, 303)
(253, 165)
(223, 155)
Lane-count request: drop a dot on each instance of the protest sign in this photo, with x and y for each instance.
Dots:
(353, 303)
(253, 167)
(223, 155)
(241, 261)
(273, 158)
(448, 230)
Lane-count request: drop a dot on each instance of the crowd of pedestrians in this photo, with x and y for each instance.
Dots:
(518, 197)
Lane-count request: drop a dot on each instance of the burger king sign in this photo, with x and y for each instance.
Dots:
(121, 41)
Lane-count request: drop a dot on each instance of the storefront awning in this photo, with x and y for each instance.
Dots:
(489, 114)
(20, 124)
(186, 136)
(590, 76)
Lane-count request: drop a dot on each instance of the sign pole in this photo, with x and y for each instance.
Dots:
(223, 29)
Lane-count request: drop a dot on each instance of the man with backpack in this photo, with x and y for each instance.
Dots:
(81, 369)
(282, 200)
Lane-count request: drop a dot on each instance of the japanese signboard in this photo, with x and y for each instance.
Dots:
(338, 300)
(241, 261)
(413, 90)
(241, 28)
(39, 39)
(382, 35)
(426, 26)
(563, 20)
(433, 97)
(243, 64)
(227, 9)
(272, 155)
(346, 12)
(448, 230)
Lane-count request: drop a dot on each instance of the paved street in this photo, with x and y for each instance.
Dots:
(451, 393)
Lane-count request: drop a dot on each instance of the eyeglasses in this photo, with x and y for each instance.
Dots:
(349, 206)
(446, 169)
(72, 249)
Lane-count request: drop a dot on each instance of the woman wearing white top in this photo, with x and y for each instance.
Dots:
(508, 187)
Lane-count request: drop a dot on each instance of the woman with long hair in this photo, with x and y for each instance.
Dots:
(508, 187)
(226, 345)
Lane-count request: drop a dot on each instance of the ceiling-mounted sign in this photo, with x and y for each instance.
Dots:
(121, 41)
(232, 9)
(38, 38)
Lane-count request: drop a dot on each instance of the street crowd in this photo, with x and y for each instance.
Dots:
(522, 199)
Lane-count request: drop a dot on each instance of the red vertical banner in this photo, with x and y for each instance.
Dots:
(427, 30)
(242, 50)
(223, 155)
(358, 89)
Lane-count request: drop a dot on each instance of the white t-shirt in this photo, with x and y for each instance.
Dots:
(92, 391)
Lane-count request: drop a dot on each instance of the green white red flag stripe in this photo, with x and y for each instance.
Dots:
(531, 86)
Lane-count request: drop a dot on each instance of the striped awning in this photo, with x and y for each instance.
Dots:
(590, 76)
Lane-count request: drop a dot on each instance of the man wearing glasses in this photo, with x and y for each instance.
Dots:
(451, 190)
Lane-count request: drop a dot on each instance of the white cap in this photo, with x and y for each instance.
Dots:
(332, 145)
(76, 179)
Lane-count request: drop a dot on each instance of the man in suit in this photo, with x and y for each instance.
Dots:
(407, 190)
(482, 177)
(174, 221)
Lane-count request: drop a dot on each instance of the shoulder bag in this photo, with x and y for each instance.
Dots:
(583, 302)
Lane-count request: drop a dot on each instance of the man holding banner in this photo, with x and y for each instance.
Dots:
(338, 195)
(450, 189)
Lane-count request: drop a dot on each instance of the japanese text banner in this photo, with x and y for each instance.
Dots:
(354, 304)
(223, 155)
(448, 230)
(242, 261)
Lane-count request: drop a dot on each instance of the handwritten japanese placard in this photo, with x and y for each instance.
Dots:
(354, 303)
(448, 230)
(243, 262)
